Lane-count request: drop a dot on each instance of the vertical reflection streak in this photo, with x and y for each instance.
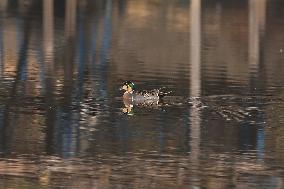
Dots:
(195, 39)
(1, 50)
(257, 11)
(48, 35)
(2, 107)
(105, 47)
(68, 119)
(257, 19)
(48, 44)
(23, 42)
(81, 53)
(195, 75)
(70, 18)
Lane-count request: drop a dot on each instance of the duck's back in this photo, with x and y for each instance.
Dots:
(146, 95)
(140, 97)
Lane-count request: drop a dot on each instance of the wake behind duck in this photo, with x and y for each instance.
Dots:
(159, 98)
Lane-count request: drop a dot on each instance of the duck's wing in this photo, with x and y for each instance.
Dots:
(147, 94)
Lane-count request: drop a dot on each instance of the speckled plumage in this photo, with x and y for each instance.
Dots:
(141, 97)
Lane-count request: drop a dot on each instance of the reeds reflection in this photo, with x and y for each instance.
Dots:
(62, 62)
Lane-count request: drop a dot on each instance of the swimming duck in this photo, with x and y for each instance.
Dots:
(131, 96)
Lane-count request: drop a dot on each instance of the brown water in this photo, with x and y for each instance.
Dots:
(61, 114)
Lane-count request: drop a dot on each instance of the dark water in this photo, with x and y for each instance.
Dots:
(61, 114)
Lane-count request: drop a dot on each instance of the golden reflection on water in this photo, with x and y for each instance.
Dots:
(141, 170)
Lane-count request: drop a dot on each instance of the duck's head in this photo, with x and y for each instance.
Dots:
(128, 86)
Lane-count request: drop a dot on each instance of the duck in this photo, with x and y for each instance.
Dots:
(133, 97)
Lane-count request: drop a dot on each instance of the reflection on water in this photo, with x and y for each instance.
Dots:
(62, 121)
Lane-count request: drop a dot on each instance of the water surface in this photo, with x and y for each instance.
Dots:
(62, 123)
